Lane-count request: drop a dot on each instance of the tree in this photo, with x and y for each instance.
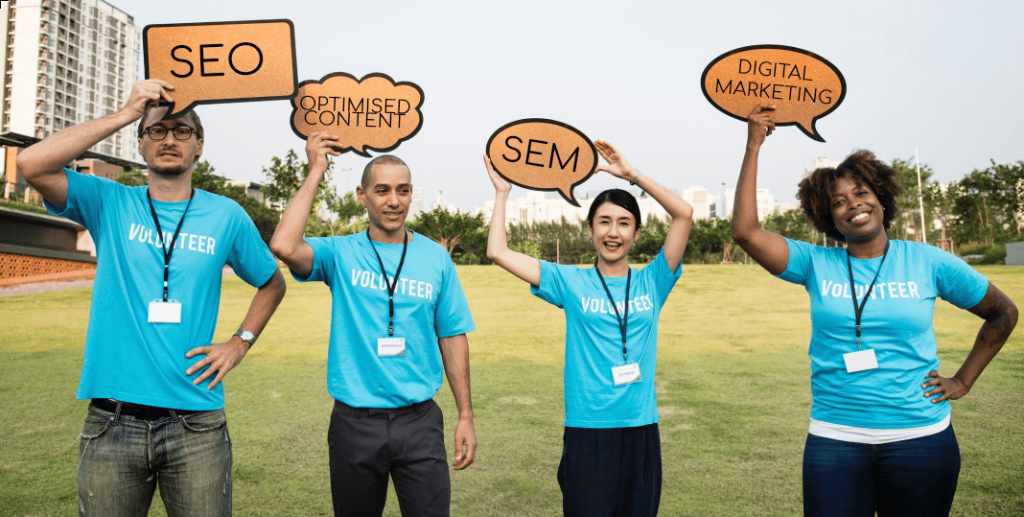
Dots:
(330, 215)
(462, 235)
(262, 216)
(651, 240)
(133, 177)
(987, 206)
(708, 238)
(792, 224)
(909, 202)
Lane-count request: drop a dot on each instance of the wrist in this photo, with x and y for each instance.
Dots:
(466, 416)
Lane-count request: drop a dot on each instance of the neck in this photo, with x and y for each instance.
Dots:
(170, 188)
(613, 269)
(869, 246)
(378, 234)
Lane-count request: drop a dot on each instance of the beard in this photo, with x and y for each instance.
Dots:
(170, 172)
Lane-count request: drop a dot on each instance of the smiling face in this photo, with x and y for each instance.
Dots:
(856, 211)
(170, 156)
(386, 196)
(613, 231)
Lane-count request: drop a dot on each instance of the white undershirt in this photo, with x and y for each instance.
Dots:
(848, 433)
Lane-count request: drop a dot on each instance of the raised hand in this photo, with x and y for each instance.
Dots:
(760, 124)
(318, 146)
(617, 164)
(501, 185)
(146, 95)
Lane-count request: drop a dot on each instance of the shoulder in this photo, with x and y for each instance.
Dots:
(428, 247)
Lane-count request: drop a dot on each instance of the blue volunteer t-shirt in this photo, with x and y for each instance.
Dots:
(896, 323)
(429, 304)
(593, 340)
(126, 357)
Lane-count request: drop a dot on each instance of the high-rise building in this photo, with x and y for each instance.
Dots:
(66, 62)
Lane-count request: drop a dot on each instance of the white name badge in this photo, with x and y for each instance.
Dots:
(390, 347)
(860, 361)
(626, 374)
(164, 312)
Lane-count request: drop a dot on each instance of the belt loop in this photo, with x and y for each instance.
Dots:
(174, 416)
(117, 414)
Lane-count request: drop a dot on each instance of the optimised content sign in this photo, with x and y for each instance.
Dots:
(222, 61)
(373, 113)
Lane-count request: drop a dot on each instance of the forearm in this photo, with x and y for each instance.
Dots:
(287, 239)
(744, 214)
(1000, 319)
(263, 305)
(676, 206)
(497, 236)
(53, 153)
(455, 355)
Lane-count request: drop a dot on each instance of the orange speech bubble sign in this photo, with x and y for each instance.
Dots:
(542, 154)
(222, 61)
(802, 86)
(373, 113)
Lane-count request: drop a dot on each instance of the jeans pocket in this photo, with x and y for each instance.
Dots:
(205, 421)
(94, 426)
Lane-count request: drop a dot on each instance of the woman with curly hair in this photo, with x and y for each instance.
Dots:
(880, 438)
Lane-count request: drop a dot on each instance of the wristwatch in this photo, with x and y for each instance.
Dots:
(246, 336)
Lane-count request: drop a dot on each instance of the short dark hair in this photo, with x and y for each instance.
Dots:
(617, 197)
(191, 115)
(815, 191)
(384, 159)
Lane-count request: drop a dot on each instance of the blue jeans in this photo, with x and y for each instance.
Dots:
(900, 479)
(121, 461)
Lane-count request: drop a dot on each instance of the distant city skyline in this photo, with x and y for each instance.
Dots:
(938, 77)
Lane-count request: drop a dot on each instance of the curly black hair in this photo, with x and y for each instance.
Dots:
(815, 191)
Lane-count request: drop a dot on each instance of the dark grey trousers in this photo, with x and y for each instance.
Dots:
(368, 445)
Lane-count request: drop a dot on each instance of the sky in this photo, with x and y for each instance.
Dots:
(944, 78)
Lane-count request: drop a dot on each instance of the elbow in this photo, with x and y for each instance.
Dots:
(280, 249)
(26, 167)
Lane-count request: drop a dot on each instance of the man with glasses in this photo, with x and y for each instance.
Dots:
(150, 369)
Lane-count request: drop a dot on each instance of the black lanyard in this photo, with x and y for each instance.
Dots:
(853, 290)
(391, 287)
(623, 322)
(160, 233)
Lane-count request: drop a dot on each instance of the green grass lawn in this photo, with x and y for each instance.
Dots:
(733, 391)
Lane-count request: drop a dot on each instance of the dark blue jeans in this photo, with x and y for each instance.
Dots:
(908, 478)
(121, 461)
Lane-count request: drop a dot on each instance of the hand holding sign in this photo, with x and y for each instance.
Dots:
(373, 113)
(801, 85)
(222, 61)
(541, 154)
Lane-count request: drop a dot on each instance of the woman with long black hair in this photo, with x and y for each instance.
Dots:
(611, 455)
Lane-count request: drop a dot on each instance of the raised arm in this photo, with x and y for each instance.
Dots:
(766, 248)
(42, 164)
(1000, 315)
(519, 264)
(678, 209)
(287, 241)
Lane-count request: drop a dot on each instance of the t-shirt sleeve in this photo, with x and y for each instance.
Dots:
(956, 281)
(250, 257)
(661, 276)
(323, 261)
(798, 270)
(451, 315)
(552, 284)
(86, 194)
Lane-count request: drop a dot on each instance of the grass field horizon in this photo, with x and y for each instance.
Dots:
(732, 380)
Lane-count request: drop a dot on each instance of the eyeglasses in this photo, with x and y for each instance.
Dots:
(158, 133)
